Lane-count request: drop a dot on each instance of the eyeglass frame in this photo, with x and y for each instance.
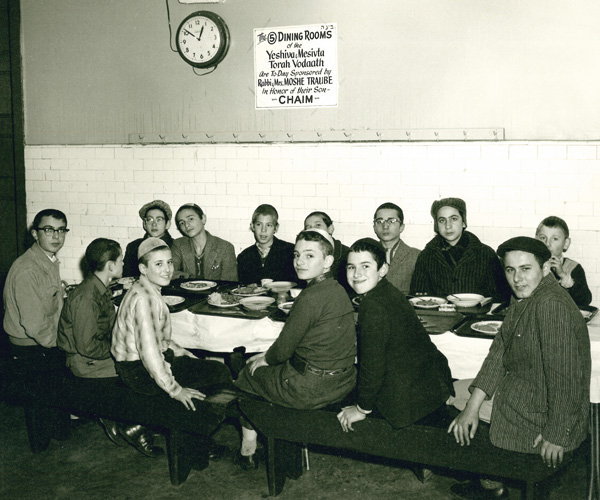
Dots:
(51, 231)
(391, 221)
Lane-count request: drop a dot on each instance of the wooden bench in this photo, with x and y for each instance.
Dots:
(187, 432)
(426, 443)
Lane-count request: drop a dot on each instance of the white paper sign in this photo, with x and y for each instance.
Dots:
(296, 66)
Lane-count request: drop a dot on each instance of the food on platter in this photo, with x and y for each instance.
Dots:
(427, 302)
(249, 290)
(223, 300)
(487, 327)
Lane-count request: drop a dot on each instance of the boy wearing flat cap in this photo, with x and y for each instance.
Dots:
(156, 219)
(537, 370)
(146, 358)
(455, 260)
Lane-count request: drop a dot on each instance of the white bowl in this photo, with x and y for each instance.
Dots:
(257, 303)
(294, 292)
(465, 299)
(286, 307)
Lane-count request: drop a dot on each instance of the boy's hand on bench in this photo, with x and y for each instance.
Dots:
(552, 454)
(348, 416)
(187, 396)
(465, 425)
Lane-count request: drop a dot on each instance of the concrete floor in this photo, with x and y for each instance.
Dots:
(88, 466)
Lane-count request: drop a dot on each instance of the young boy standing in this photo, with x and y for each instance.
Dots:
(554, 233)
(402, 375)
(269, 257)
(311, 364)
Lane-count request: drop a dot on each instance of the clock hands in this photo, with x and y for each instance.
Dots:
(199, 34)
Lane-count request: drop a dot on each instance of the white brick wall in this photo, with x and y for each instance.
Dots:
(509, 187)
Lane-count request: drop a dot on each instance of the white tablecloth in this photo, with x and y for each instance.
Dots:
(221, 334)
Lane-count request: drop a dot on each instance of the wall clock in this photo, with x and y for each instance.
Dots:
(203, 39)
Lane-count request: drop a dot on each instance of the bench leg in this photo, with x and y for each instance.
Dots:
(284, 459)
(186, 452)
(38, 428)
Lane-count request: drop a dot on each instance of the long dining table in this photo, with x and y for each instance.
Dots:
(218, 331)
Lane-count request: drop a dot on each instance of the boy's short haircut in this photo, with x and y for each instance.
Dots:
(391, 206)
(373, 247)
(312, 235)
(265, 210)
(554, 221)
(100, 251)
(190, 206)
(48, 212)
(326, 219)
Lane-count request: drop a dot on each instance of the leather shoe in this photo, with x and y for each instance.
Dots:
(472, 490)
(247, 462)
(112, 431)
(142, 440)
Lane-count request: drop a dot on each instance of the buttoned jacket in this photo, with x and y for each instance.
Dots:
(538, 370)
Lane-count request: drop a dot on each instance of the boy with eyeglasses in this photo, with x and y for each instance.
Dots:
(388, 224)
(156, 219)
(33, 298)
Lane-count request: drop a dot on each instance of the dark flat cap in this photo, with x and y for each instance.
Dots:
(525, 244)
(161, 205)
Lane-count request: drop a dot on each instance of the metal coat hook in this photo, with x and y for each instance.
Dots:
(378, 135)
(185, 137)
(235, 136)
(437, 136)
(291, 136)
(465, 133)
(408, 135)
(495, 132)
(162, 137)
(349, 135)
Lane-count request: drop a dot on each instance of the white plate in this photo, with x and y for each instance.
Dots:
(198, 286)
(243, 291)
(173, 300)
(280, 286)
(427, 302)
(487, 327)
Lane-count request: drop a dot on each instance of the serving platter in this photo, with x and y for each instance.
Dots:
(216, 299)
(427, 302)
(197, 286)
(487, 327)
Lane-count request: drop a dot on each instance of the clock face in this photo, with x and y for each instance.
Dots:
(202, 39)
